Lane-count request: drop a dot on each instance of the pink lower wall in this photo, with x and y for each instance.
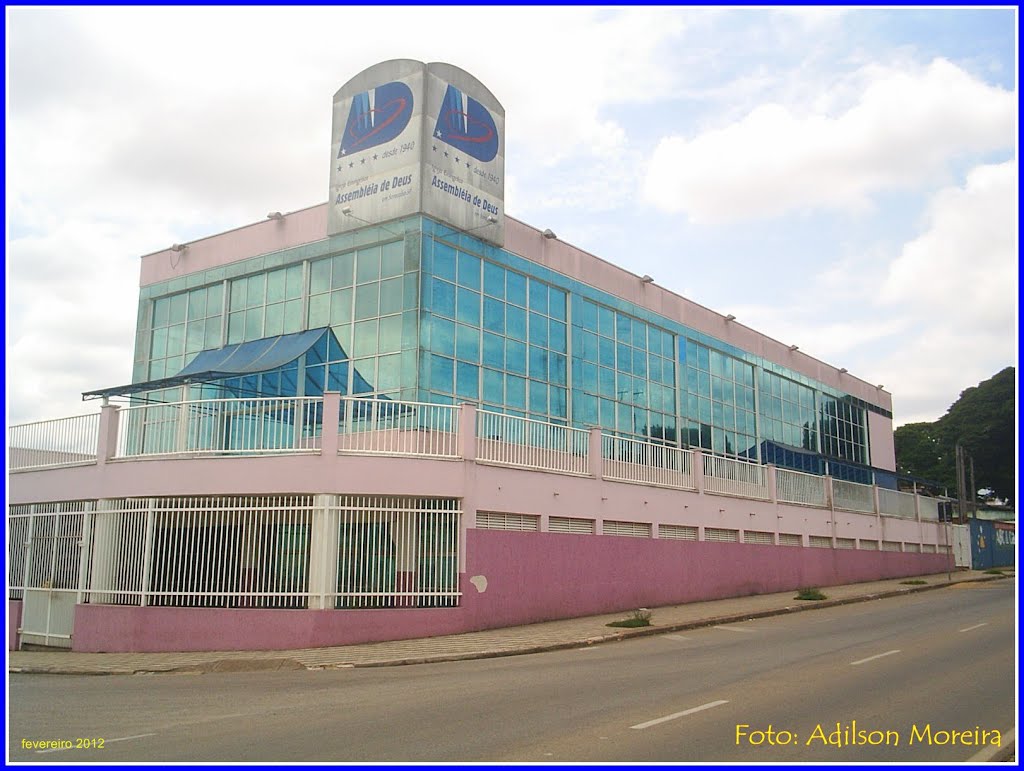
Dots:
(531, 577)
(13, 623)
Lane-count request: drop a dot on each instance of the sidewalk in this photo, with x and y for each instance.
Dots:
(533, 638)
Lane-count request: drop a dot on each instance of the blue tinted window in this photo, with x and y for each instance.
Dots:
(467, 343)
(442, 298)
(469, 270)
(494, 350)
(442, 374)
(494, 386)
(444, 261)
(606, 321)
(442, 336)
(538, 296)
(468, 306)
(538, 330)
(639, 363)
(586, 343)
(515, 392)
(556, 369)
(494, 280)
(538, 396)
(515, 288)
(606, 352)
(584, 408)
(494, 315)
(515, 356)
(466, 380)
(557, 340)
(390, 296)
(588, 316)
(640, 335)
(515, 322)
(556, 303)
(538, 363)
(624, 362)
(623, 328)
(606, 382)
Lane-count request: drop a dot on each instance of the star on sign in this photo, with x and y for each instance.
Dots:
(437, 133)
(375, 156)
(363, 160)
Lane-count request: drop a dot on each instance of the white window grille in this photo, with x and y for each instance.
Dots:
(678, 532)
(797, 487)
(571, 525)
(494, 520)
(508, 440)
(735, 477)
(851, 496)
(627, 529)
(891, 546)
(819, 541)
(846, 543)
(867, 544)
(758, 536)
(790, 539)
(721, 534)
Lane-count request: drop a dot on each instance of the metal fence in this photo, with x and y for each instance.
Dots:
(51, 443)
(388, 427)
(896, 504)
(221, 427)
(629, 460)
(735, 477)
(512, 441)
(851, 496)
(800, 488)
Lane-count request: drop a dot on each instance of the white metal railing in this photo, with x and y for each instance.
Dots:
(281, 551)
(797, 487)
(507, 440)
(630, 460)
(387, 427)
(735, 477)
(929, 507)
(221, 427)
(896, 504)
(49, 443)
(852, 496)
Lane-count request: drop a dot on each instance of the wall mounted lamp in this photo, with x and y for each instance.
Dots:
(794, 347)
(275, 215)
(646, 279)
(730, 317)
(549, 234)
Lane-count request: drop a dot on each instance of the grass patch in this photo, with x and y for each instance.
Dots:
(994, 572)
(810, 594)
(914, 582)
(639, 617)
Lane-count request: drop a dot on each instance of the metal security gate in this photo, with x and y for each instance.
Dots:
(51, 557)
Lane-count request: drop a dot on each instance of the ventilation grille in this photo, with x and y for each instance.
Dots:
(571, 525)
(757, 536)
(928, 548)
(492, 520)
(914, 547)
(891, 546)
(846, 543)
(867, 545)
(721, 534)
(790, 539)
(678, 532)
(819, 541)
(628, 529)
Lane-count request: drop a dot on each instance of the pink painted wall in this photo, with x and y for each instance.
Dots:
(531, 577)
(13, 622)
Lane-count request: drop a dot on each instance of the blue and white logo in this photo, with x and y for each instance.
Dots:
(376, 117)
(464, 123)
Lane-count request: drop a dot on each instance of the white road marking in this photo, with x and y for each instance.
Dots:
(675, 637)
(976, 626)
(735, 629)
(872, 658)
(986, 754)
(106, 741)
(588, 648)
(673, 716)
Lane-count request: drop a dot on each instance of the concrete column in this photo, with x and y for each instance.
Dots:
(830, 499)
(323, 551)
(467, 431)
(698, 470)
(596, 452)
(772, 483)
(329, 425)
(107, 442)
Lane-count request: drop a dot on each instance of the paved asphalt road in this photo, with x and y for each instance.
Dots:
(942, 659)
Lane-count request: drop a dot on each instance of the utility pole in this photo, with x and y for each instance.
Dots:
(961, 507)
(974, 493)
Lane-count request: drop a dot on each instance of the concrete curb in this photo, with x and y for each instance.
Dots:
(277, 664)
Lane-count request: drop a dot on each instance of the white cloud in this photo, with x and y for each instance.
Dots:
(903, 131)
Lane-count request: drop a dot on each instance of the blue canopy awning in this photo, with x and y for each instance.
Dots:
(249, 358)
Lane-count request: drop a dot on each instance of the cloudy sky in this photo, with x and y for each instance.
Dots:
(845, 180)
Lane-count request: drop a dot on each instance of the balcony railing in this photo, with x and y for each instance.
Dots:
(378, 426)
(52, 443)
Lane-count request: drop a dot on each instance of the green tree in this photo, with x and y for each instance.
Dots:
(982, 420)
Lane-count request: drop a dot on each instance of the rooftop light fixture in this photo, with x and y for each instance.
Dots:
(549, 234)
(275, 215)
(646, 279)
(794, 347)
(179, 247)
(730, 317)
(842, 370)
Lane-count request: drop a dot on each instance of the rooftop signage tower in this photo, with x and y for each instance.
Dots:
(409, 138)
